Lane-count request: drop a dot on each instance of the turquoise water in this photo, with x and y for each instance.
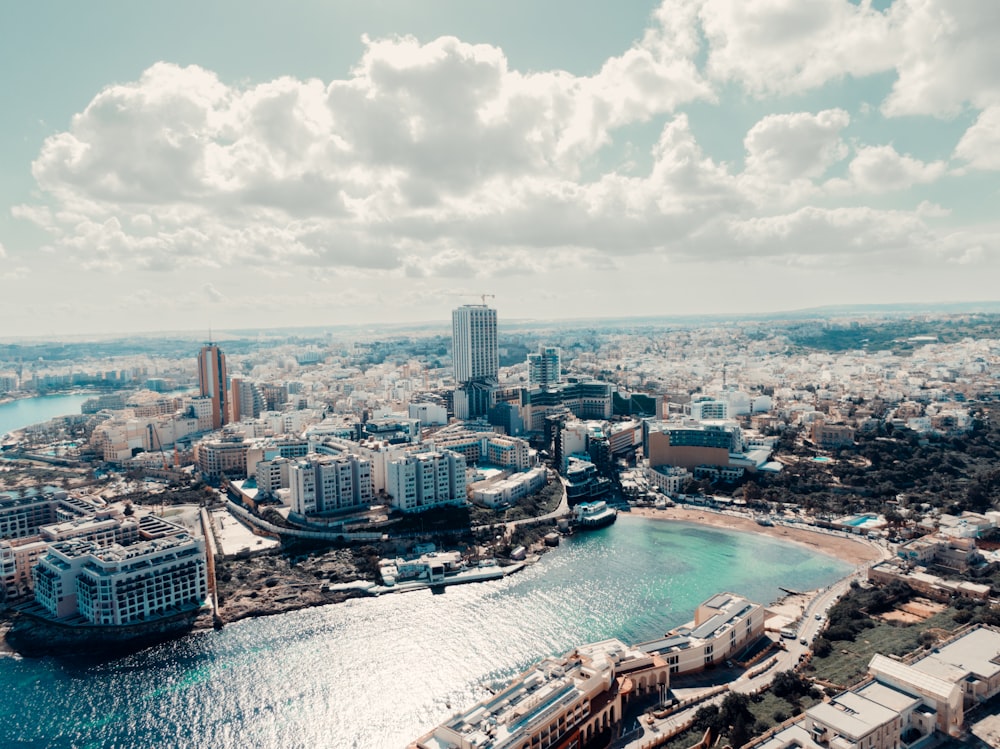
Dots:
(859, 520)
(27, 411)
(821, 459)
(379, 672)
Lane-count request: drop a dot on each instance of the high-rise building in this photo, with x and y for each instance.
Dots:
(212, 382)
(543, 367)
(474, 343)
(477, 359)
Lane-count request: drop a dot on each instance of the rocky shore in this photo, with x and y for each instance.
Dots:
(275, 583)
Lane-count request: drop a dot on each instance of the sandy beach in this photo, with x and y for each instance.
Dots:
(852, 551)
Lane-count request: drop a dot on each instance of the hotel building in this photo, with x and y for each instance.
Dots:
(328, 483)
(560, 702)
(80, 582)
(724, 627)
(567, 701)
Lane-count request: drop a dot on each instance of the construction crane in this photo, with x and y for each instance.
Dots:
(481, 296)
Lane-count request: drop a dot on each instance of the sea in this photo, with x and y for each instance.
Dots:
(380, 672)
(21, 413)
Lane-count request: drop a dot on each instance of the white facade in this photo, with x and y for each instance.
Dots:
(330, 483)
(474, 343)
(724, 626)
(512, 488)
(122, 584)
(668, 479)
(429, 414)
(423, 480)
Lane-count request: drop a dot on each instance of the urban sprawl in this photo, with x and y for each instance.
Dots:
(250, 475)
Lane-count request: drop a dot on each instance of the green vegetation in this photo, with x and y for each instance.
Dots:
(894, 335)
(789, 695)
(732, 719)
(852, 636)
(952, 473)
(540, 503)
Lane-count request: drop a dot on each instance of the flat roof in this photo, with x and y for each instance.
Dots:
(890, 697)
(922, 681)
(976, 652)
(852, 715)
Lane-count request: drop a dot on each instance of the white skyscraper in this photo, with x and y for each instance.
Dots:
(474, 343)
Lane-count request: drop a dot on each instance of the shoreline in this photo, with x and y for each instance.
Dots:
(854, 551)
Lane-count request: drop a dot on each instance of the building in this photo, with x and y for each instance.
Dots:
(668, 479)
(707, 408)
(248, 400)
(508, 490)
(80, 582)
(544, 367)
(904, 702)
(476, 359)
(212, 383)
(578, 699)
(832, 436)
(24, 516)
(330, 483)
(474, 343)
(429, 414)
(724, 627)
(585, 400)
(225, 457)
(559, 702)
(419, 481)
(688, 446)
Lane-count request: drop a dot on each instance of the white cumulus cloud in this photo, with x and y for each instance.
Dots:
(980, 145)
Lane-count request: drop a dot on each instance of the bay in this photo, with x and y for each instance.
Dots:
(374, 673)
(21, 413)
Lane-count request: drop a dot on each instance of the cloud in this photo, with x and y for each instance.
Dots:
(3, 252)
(947, 56)
(943, 53)
(791, 46)
(213, 294)
(880, 169)
(980, 145)
(437, 160)
(796, 146)
(177, 169)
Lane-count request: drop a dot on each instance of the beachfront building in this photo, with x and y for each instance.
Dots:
(80, 582)
(560, 702)
(724, 628)
(690, 446)
(903, 702)
(668, 479)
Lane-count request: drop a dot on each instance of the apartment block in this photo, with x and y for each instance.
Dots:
(330, 483)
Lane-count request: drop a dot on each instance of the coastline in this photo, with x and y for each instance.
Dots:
(850, 550)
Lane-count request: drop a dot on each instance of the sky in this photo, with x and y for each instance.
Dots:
(242, 164)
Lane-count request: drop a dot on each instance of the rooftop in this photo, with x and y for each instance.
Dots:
(976, 652)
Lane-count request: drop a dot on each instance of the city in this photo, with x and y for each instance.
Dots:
(500, 375)
(194, 491)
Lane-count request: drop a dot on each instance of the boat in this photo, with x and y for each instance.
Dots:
(590, 515)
